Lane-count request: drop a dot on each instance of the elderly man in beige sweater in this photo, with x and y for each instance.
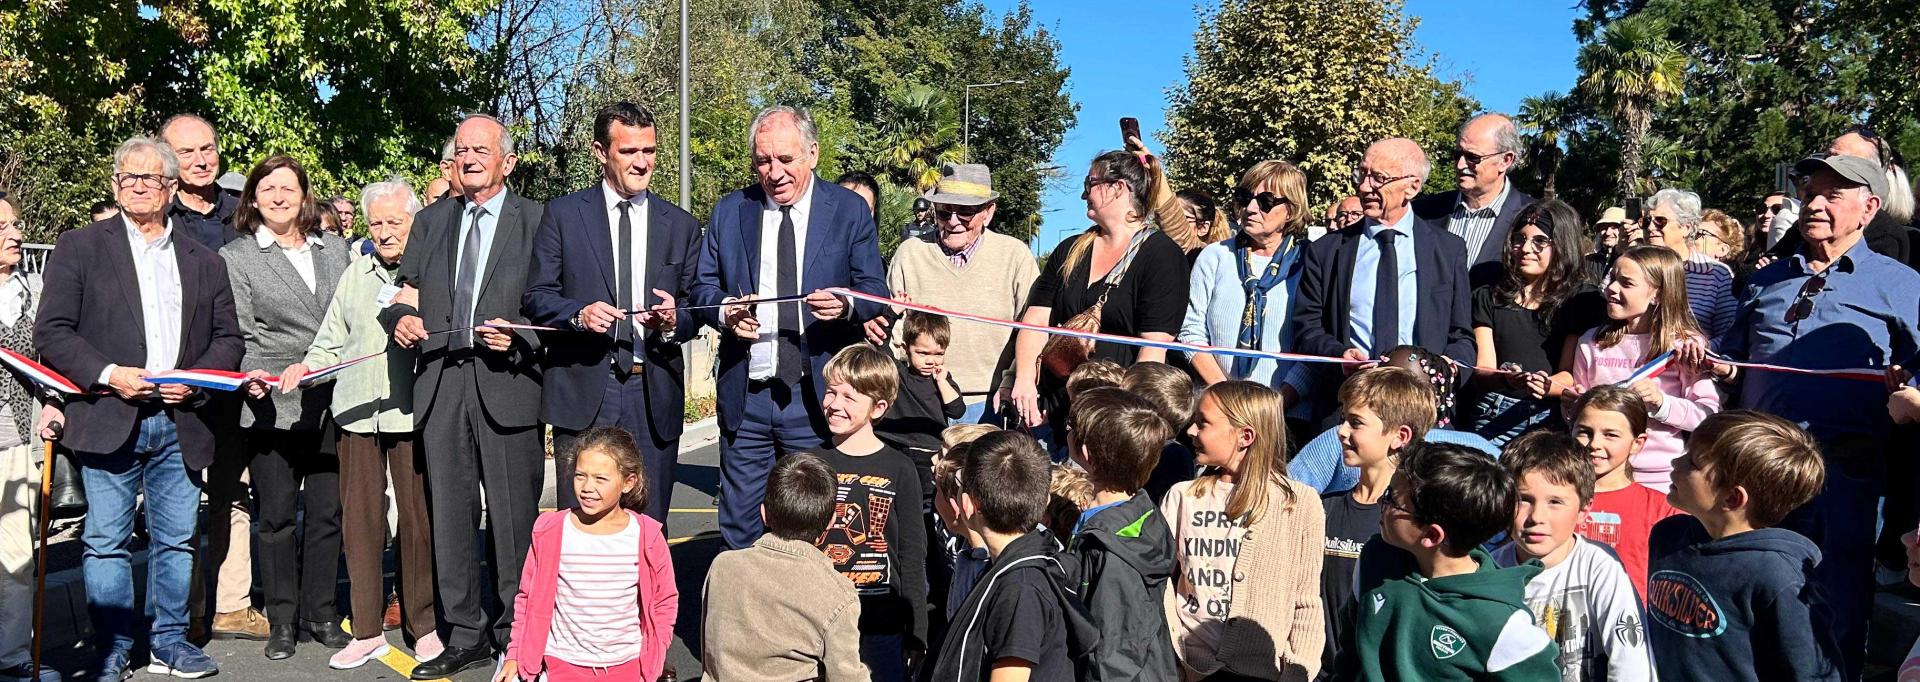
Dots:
(963, 267)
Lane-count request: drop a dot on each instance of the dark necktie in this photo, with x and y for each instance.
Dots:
(623, 331)
(787, 279)
(464, 282)
(1386, 296)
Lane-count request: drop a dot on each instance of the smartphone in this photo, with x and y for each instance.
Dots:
(1130, 129)
(1632, 204)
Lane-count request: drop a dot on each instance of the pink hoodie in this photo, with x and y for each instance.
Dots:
(540, 579)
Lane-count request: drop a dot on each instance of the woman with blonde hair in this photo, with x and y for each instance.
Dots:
(1266, 623)
(1240, 290)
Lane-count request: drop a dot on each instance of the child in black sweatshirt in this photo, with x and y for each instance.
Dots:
(876, 538)
(928, 397)
(1729, 595)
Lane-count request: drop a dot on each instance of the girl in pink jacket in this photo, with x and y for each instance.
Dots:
(587, 571)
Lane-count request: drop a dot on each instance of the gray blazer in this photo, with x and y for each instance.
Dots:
(278, 319)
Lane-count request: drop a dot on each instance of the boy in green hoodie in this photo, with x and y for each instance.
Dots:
(1433, 606)
(1121, 546)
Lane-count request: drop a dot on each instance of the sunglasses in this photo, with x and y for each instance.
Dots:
(1539, 242)
(944, 214)
(1802, 307)
(1472, 158)
(1267, 200)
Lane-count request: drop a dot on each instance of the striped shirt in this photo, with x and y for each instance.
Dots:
(596, 603)
(1710, 295)
(1474, 225)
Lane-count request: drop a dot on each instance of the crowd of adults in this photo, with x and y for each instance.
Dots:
(179, 272)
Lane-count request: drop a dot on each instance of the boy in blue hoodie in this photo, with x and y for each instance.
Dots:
(1729, 595)
(1432, 605)
(1121, 547)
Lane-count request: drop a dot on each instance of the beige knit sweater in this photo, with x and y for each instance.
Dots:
(1275, 629)
(994, 284)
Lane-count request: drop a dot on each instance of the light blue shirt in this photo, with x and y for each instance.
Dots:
(1366, 263)
(1215, 301)
(488, 220)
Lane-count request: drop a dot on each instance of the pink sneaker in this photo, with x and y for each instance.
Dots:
(428, 648)
(358, 652)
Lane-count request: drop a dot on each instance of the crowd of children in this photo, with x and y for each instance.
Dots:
(1555, 558)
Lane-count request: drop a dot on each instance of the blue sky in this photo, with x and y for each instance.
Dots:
(1529, 50)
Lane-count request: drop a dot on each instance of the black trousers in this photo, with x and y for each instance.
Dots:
(296, 568)
(625, 406)
(466, 451)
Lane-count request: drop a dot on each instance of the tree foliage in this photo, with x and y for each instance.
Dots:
(1309, 81)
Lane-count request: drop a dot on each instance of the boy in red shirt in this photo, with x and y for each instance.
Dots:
(1611, 421)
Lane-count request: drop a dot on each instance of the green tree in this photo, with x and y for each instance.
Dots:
(1632, 69)
(1543, 119)
(918, 132)
(1310, 81)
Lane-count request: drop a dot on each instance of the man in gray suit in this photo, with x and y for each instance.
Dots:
(477, 395)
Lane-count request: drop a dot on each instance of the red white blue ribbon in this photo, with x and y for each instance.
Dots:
(1856, 374)
(322, 374)
(1652, 369)
(215, 379)
(39, 373)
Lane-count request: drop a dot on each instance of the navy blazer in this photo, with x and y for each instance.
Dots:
(1443, 321)
(573, 266)
(90, 317)
(842, 250)
(1437, 210)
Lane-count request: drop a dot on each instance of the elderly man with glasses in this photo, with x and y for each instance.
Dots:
(124, 300)
(964, 267)
(1885, 235)
(1833, 303)
(1482, 210)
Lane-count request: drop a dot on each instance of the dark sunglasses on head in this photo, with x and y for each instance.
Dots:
(1802, 307)
(1267, 200)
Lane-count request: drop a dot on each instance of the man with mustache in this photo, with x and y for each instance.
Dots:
(791, 233)
(602, 255)
(1482, 210)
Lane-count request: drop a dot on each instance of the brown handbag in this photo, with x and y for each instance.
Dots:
(1063, 354)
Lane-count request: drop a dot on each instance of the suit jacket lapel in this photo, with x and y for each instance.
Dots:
(504, 233)
(326, 276)
(600, 238)
(189, 299)
(453, 230)
(290, 278)
(120, 256)
(1426, 263)
(750, 236)
(656, 263)
(820, 219)
(1342, 299)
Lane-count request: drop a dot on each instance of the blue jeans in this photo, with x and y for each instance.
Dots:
(1501, 418)
(976, 414)
(149, 464)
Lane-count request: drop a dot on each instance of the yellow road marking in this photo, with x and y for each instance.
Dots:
(395, 659)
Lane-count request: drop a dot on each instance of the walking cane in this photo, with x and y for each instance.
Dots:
(40, 558)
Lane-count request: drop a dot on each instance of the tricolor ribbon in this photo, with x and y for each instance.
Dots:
(502, 325)
(1855, 374)
(1652, 369)
(39, 373)
(224, 380)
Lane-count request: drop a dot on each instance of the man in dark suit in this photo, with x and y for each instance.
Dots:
(1482, 211)
(790, 234)
(599, 253)
(477, 393)
(125, 298)
(1391, 280)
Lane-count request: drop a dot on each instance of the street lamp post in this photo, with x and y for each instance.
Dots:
(966, 115)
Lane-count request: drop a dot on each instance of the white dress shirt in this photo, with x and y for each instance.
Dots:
(301, 258)
(762, 357)
(637, 251)
(157, 270)
(487, 222)
(1366, 269)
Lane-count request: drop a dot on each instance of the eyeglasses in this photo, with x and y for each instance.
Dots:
(1802, 307)
(1362, 180)
(1096, 182)
(1539, 242)
(148, 180)
(1472, 158)
(945, 214)
(1350, 215)
(1268, 200)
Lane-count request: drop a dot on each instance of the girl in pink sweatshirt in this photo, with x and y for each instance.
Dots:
(1647, 315)
(597, 599)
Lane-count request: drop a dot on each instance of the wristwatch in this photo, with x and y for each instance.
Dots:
(578, 324)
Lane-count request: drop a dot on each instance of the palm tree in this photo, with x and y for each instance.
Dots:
(920, 133)
(1545, 117)
(1631, 69)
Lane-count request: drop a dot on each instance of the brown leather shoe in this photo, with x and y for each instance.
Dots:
(390, 620)
(248, 624)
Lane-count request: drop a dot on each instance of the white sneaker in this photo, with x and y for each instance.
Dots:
(358, 652)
